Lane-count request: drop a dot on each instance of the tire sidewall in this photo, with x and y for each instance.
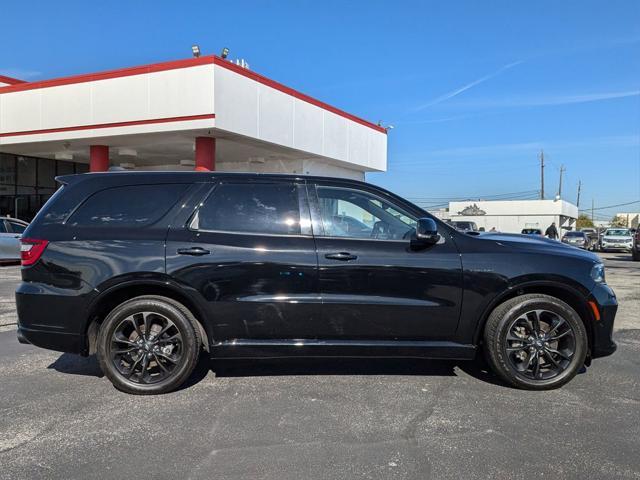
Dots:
(190, 345)
(553, 305)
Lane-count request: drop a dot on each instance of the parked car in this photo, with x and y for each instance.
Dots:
(635, 250)
(578, 239)
(617, 239)
(465, 226)
(10, 231)
(592, 233)
(531, 231)
(148, 269)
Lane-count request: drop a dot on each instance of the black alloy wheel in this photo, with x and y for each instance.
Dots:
(540, 344)
(148, 345)
(535, 342)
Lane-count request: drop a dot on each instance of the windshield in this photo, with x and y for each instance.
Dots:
(574, 234)
(618, 232)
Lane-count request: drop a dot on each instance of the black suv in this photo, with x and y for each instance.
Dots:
(148, 269)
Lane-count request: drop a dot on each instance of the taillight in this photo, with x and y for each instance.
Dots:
(31, 250)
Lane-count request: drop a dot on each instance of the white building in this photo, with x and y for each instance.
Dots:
(512, 216)
(632, 220)
(204, 113)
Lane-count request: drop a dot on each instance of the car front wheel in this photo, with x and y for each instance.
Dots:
(535, 342)
(148, 345)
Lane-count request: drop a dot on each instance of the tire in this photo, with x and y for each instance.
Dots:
(508, 337)
(150, 363)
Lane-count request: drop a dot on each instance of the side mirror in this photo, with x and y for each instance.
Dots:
(427, 232)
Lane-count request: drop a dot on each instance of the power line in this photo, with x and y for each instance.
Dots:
(478, 196)
(611, 206)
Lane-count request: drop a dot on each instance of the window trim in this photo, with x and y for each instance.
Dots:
(302, 197)
(318, 211)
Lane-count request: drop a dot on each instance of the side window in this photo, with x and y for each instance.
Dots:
(17, 227)
(357, 214)
(3, 228)
(132, 206)
(271, 208)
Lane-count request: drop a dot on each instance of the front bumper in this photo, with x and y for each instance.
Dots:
(602, 342)
(616, 246)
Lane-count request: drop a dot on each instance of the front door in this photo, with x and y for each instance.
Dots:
(249, 252)
(373, 284)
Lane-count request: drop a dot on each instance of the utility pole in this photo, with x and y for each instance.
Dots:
(578, 200)
(562, 170)
(541, 174)
(592, 210)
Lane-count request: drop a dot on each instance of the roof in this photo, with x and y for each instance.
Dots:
(191, 176)
(10, 80)
(19, 85)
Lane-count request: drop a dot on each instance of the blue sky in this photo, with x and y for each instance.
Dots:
(474, 89)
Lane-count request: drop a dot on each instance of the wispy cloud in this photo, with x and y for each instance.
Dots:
(546, 100)
(19, 73)
(464, 88)
(496, 150)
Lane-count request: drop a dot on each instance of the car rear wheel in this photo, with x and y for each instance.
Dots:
(148, 345)
(535, 342)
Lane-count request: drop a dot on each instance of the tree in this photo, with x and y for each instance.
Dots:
(618, 221)
(584, 221)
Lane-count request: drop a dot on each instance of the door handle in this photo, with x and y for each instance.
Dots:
(344, 256)
(195, 251)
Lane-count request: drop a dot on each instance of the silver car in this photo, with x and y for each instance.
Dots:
(617, 239)
(10, 231)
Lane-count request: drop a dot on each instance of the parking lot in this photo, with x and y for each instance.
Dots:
(322, 418)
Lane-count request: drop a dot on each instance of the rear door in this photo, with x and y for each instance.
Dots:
(249, 252)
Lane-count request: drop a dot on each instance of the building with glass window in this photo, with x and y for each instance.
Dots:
(204, 113)
(26, 183)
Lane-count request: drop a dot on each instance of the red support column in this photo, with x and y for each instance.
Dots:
(99, 158)
(205, 154)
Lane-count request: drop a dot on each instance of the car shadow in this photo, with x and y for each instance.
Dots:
(71, 364)
(77, 365)
(477, 369)
(622, 257)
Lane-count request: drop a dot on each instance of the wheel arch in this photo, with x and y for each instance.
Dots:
(119, 293)
(566, 293)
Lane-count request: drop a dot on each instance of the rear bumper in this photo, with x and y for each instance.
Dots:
(602, 341)
(58, 341)
(52, 318)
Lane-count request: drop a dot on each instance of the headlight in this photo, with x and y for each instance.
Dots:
(597, 273)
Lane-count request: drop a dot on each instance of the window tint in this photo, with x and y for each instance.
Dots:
(357, 214)
(251, 208)
(3, 229)
(17, 227)
(131, 206)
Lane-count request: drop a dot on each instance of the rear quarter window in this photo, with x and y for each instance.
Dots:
(131, 206)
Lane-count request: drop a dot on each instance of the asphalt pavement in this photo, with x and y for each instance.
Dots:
(333, 419)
